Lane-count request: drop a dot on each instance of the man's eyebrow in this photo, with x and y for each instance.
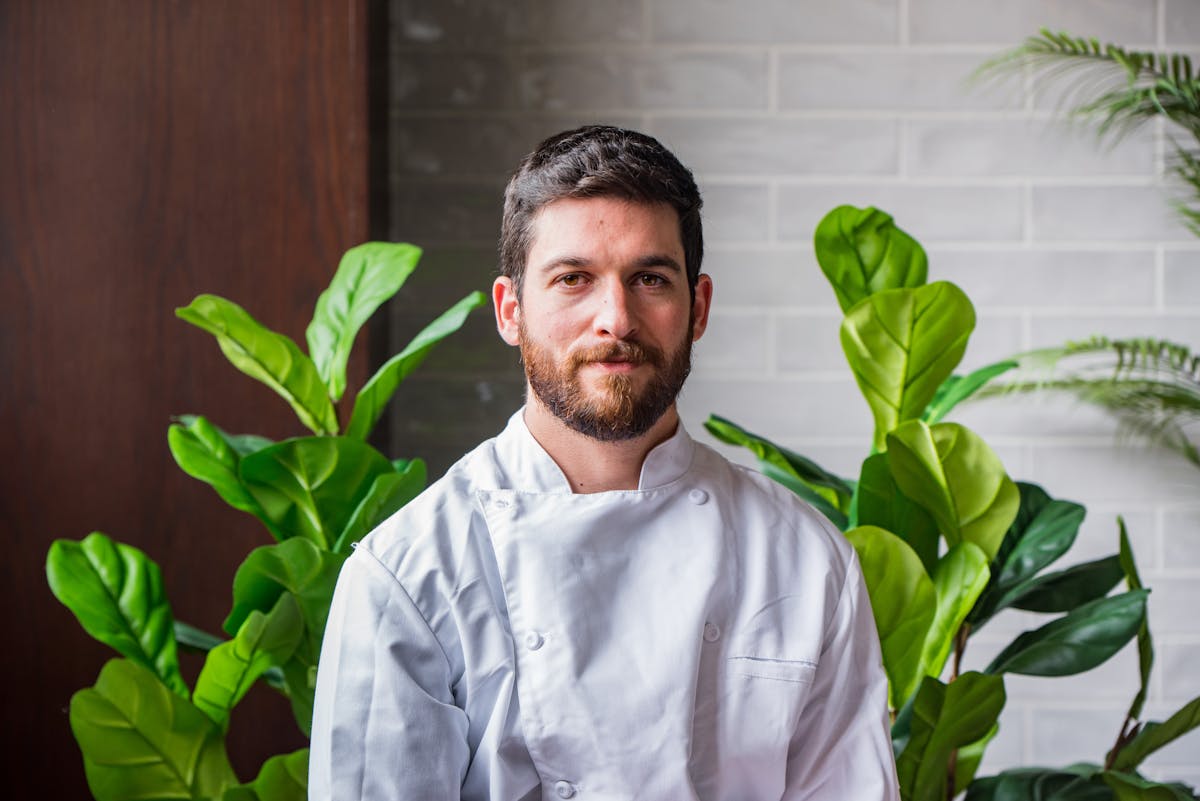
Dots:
(642, 262)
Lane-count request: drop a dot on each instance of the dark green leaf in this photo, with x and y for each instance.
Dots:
(1154, 736)
(389, 492)
(789, 461)
(861, 251)
(903, 602)
(232, 667)
(1067, 589)
(310, 487)
(272, 358)
(367, 276)
(1076, 642)
(957, 388)
(879, 502)
(946, 718)
(140, 740)
(116, 592)
(1145, 641)
(202, 453)
(375, 394)
(1040, 784)
(902, 344)
(1129, 787)
(951, 472)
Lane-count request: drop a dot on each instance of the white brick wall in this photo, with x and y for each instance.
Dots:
(785, 108)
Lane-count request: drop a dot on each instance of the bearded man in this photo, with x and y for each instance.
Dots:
(592, 604)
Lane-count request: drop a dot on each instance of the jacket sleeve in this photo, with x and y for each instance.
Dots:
(842, 748)
(385, 727)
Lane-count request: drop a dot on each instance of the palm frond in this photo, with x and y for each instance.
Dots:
(1151, 386)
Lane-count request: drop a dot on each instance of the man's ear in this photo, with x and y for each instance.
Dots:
(701, 305)
(508, 310)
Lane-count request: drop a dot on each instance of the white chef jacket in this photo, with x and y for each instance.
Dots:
(705, 636)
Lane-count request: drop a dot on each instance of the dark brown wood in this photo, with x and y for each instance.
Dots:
(151, 151)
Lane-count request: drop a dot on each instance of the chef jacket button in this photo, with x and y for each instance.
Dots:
(534, 641)
(500, 503)
(712, 632)
(698, 496)
(564, 789)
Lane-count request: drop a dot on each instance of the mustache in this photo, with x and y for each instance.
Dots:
(622, 350)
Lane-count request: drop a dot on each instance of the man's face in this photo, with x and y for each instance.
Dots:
(605, 321)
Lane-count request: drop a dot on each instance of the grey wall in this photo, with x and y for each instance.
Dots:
(785, 108)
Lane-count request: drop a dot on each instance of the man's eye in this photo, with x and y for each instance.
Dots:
(571, 279)
(650, 279)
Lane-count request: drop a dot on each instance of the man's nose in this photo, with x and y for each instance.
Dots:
(614, 315)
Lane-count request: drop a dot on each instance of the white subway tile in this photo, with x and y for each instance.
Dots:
(766, 276)
(1181, 278)
(735, 212)
(1006, 24)
(1033, 148)
(1181, 539)
(778, 147)
(928, 213)
(733, 343)
(1182, 23)
(809, 342)
(1104, 214)
(775, 21)
(899, 80)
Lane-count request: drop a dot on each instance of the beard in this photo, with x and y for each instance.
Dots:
(617, 410)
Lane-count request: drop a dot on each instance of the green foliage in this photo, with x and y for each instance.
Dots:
(141, 740)
(861, 252)
(1119, 90)
(902, 344)
(143, 734)
(946, 539)
(116, 592)
(1151, 386)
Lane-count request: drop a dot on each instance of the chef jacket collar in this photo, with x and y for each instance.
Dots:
(538, 472)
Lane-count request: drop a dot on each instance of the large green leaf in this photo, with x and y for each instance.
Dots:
(945, 718)
(367, 276)
(307, 572)
(1075, 783)
(116, 592)
(957, 388)
(1064, 590)
(282, 778)
(957, 478)
(861, 251)
(202, 453)
(142, 741)
(242, 444)
(786, 466)
(1076, 642)
(959, 578)
(1155, 735)
(1043, 530)
(902, 599)
(388, 494)
(902, 344)
(879, 502)
(1144, 640)
(272, 358)
(1134, 788)
(232, 667)
(310, 487)
(375, 394)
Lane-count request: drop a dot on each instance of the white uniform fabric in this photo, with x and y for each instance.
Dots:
(706, 636)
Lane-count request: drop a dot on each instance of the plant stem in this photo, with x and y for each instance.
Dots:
(951, 769)
(1128, 730)
(960, 647)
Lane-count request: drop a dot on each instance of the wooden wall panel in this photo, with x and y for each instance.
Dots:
(151, 151)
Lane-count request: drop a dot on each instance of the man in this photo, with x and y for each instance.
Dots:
(592, 604)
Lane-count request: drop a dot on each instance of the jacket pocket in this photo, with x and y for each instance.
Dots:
(797, 671)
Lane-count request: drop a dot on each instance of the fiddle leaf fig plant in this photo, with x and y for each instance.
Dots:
(947, 539)
(144, 733)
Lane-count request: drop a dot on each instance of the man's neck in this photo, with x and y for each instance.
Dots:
(589, 464)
